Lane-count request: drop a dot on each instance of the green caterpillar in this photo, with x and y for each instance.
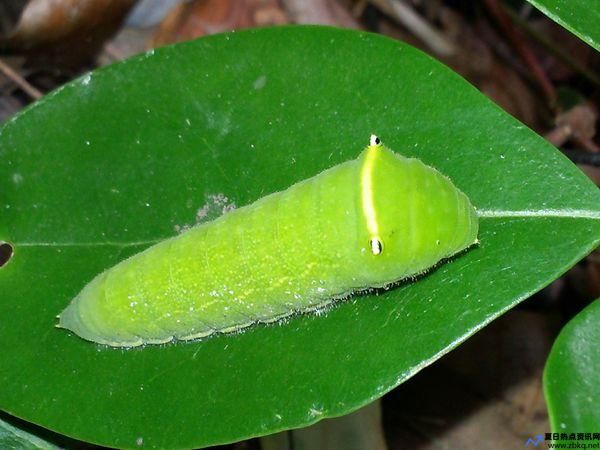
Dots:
(364, 223)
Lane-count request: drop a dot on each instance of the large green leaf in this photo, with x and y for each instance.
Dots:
(581, 17)
(572, 375)
(116, 160)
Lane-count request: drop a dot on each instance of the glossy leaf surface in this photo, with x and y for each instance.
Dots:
(572, 374)
(12, 437)
(581, 17)
(127, 155)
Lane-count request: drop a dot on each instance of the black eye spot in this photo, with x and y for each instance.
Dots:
(6, 252)
(377, 141)
(376, 246)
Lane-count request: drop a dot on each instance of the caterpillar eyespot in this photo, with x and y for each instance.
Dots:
(376, 246)
(258, 263)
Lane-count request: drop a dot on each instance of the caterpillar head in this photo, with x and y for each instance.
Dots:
(413, 216)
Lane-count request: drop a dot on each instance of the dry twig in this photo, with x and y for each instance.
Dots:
(20, 81)
(320, 12)
(407, 16)
(552, 47)
(523, 49)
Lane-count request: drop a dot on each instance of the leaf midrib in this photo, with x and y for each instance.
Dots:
(486, 214)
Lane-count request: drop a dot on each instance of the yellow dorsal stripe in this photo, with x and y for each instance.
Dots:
(366, 178)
